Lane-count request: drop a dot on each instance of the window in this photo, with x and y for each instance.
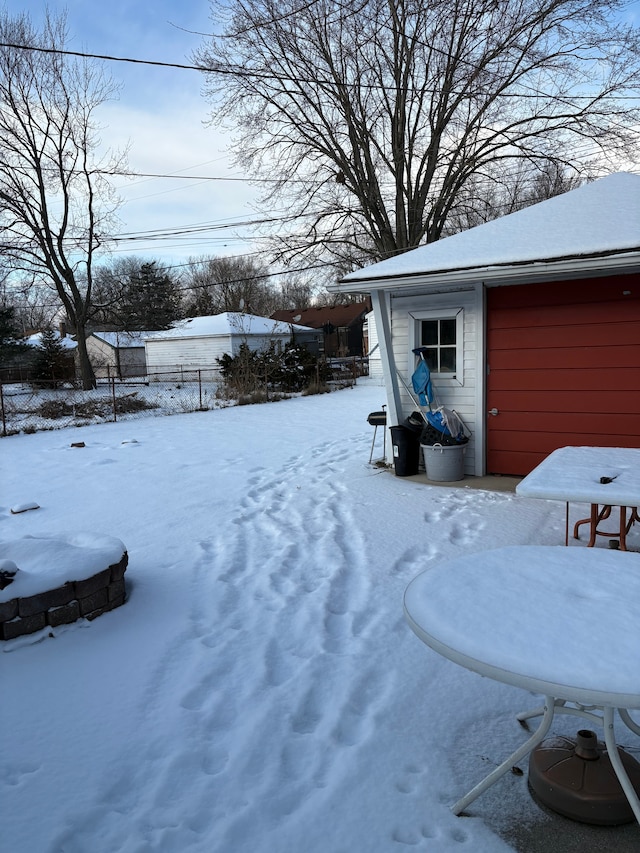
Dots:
(440, 329)
(439, 336)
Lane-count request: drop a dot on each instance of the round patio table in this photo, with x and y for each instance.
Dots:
(560, 622)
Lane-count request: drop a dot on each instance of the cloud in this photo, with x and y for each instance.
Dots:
(175, 141)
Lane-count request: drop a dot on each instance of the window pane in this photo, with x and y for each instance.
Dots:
(429, 333)
(439, 338)
(448, 360)
(447, 332)
(431, 357)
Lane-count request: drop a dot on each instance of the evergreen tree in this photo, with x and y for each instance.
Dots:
(151, 300)
(51, 366)
(11, 344)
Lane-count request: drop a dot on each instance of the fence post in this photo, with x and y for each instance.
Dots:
(200, 387)
(113, 397)
(4, 422)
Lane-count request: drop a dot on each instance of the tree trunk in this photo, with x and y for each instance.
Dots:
(87, 375)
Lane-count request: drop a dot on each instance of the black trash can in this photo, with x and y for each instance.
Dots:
(406, 451)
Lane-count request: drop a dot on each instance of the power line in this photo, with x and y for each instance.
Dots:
(123, 173)
(105, 57)
(241, 71)
(205, 227)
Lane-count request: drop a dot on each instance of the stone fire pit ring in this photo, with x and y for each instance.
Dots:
(47, 581)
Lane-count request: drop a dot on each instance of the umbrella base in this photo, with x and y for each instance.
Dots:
(576, 779)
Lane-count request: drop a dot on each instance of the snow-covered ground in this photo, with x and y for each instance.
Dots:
(260, 691)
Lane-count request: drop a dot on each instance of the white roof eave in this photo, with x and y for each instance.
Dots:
(525, 273)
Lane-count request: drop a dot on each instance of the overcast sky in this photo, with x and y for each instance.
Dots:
(161, 115)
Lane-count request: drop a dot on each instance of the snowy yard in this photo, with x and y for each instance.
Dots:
(260, 691)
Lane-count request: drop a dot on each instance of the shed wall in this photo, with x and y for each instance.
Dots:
(462, 393)
(102, 357)
(564, 369)
(177, 355)
(174, 355)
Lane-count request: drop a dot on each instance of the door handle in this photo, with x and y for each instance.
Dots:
(494, 411)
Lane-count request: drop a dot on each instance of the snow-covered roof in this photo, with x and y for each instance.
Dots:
(36, 341)
(596, 219)
(228, 323)
(122, 340)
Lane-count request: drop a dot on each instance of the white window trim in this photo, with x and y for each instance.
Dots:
(454, 313)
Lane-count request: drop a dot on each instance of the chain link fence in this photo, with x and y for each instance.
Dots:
(28, 407)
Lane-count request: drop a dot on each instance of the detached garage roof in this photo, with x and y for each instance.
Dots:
(597, 220)
(122, 340)
(229, 323)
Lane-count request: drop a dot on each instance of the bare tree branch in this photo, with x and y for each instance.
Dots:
(391, 114)
(56, 208)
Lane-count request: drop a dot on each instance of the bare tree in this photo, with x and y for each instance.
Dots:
(374, 116)
(216, 285)
(478, 203)
(35, 305)
(296, 291)
(55, 206)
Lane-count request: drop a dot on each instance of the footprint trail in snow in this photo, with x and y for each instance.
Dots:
(281, 603)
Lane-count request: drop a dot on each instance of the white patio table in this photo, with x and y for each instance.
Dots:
(601, 476)
(561, 622)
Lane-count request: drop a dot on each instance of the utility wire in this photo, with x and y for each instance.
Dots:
(241, 71)
(123, 173)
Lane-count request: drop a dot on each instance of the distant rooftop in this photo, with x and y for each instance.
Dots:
(228, 323)
(338, 316)
(35, 340)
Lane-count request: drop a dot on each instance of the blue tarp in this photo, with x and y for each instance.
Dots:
(421, 381)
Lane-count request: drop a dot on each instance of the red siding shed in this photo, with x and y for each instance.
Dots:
(563, 363)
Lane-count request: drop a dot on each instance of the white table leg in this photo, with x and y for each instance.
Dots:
(584, 711)
(618, 766)
(524, 750)
(625, 716)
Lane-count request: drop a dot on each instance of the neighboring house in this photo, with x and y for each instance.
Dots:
(532, 323)
(35, 340)
(117, 354)
(341, 325)
(372, 346)
(197, 343)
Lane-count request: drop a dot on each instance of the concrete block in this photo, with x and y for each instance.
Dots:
(95, 601)
(23, 625)
(116, 589)
(92, 584)
(118, 569)
(63, 615)
(41, 602)
(8, 609)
